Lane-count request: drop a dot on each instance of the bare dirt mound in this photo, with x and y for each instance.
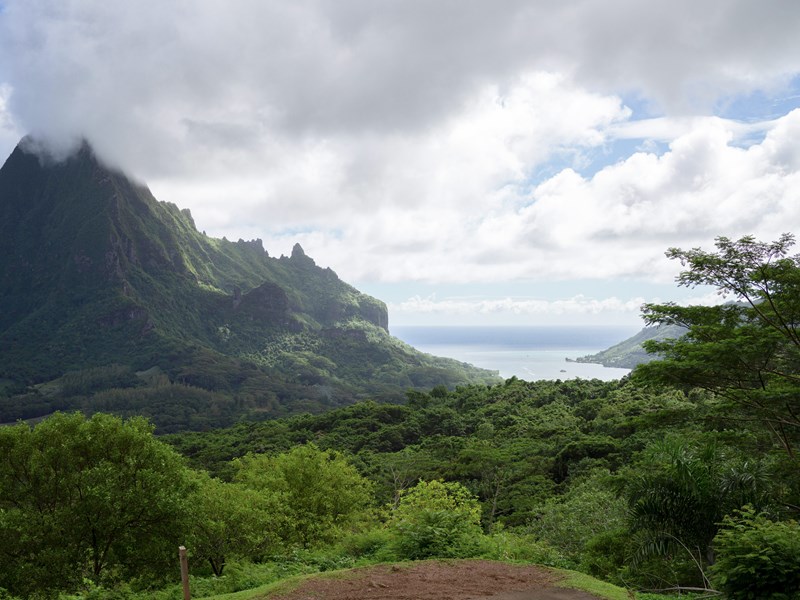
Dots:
(439, 580)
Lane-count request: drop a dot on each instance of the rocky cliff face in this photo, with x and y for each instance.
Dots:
(268, 304)
(348, 304)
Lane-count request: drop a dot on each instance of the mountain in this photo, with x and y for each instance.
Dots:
(629, 353)
(110, 299)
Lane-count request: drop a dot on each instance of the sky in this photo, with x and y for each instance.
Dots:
(470, 162)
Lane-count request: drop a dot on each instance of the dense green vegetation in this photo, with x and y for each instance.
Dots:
(746, 351)
(625, 481)
(629, 483)
(97, 499)
(201, 390)
(683, 477)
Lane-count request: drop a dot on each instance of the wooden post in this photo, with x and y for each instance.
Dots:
(184, 573)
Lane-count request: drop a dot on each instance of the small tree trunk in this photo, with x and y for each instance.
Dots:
(217, 568)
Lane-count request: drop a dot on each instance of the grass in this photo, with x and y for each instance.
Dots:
(587, 583)
(278, 587)
(602, 589)
(263, 591)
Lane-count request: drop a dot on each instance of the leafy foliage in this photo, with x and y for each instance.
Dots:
(571, 521)
(98, 498)
(230, 520)
(747, 351)
(544, 470)
(682, 491)
(558, 462)
(316, 493)
(758, 558)
(436, 519)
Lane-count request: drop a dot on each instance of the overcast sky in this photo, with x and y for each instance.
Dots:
(469, 162)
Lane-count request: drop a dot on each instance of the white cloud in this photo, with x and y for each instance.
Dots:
(436, 140)
(666, 129)
(379, 186)
(9, 132)
(519, 306)
(167, 86)
(615, 223)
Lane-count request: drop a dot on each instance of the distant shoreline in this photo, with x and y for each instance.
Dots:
(531, 353)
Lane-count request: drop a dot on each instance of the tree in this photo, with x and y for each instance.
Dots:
(488, 471)
(317, 493)
(98, 498)
(228, 520)
(748, 350)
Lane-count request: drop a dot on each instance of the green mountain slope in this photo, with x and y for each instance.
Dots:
(629, 353)
(99, 280)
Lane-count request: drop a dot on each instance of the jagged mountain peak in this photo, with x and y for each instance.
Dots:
(94, 271)
(94, 232)
(297, 251)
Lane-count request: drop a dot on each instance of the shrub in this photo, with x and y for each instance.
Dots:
(437, 519)
(373, 544)
(507, 545)
(605, 554)
(588, 509)
(757, 557)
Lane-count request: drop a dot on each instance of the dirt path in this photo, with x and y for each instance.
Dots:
(438, 580)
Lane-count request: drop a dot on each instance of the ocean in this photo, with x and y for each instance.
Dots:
(529, 353)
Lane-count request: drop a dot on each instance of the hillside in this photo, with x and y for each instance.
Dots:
(105, 290)
(630, 353)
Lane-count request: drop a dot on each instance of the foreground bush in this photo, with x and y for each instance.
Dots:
(437, 519)
(512, 546)
(757, 558)
(569, 522)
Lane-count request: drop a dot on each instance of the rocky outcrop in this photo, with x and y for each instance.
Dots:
(268, 303)
(299, 257)
(376, 313)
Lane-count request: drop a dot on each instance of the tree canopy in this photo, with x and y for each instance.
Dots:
(747, 350)
(316, 492)
(96, 499)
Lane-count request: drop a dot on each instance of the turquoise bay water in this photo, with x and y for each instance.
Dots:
(529, 353)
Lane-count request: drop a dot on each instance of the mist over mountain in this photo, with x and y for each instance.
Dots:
(108, 295)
